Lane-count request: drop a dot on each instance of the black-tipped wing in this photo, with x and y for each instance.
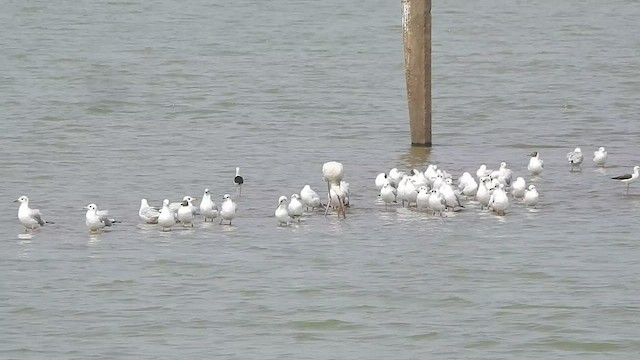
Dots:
(623, 177)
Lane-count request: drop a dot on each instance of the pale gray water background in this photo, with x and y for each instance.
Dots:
(108, 102)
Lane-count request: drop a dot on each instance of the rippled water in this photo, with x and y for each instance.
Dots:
(113, 101)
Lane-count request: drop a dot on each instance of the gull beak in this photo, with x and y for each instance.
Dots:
(16, 200)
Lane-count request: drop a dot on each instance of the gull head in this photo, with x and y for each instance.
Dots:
(184, 203)
(165, 202)
(601, 149)
(206, 191)
(532, 187)
(226, 197)
(91, 207)
(295, 196)
(534, 154)
(577, 150)
(282, 200)
(22, 199)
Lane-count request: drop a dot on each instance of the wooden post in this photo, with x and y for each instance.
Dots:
(416, 28)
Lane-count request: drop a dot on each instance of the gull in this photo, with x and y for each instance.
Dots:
(176, 205)
(482, 171)
(575, 158)
(185, 214)
(281, 211)
(418, 178)
(388, 194)
(147, 213)
(600, 156)
(208, 208)
(295, 207)
(401, 187)
(536, 165)
(430, 173)
(469, 186)
(238, 180)
(410, 191)
(395, 176)
(449, 195)
(96, 220)
(381, 179)
(499, 201)
(531, 196)
(422, 200)
(483, 195)
(437, 202)
(518, 188)
(503, 175)
(463, 179)
(30, 218)
(628, 178)
(166, 218)
(310, 198)
(228, 209)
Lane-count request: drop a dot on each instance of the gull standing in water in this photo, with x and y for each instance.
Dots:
(600, 156)
(575, 158)
(147, 213)
(96, 220)
(518, 188)
(531, 196)
(628, 178)
(281, 211)
(166, 218)
(422, 200)
(381, 179)
(185, 214)
(29, 218)
(388, 194)
(499, 201)
(176, 205)
(437, 202)
(536, 165)
(208, 208)
(228, 209)
(295, 207)
(310, 198)
(238, 180)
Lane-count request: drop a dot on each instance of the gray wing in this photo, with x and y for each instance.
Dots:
(104, 217)
(35, 214)
(151, 213)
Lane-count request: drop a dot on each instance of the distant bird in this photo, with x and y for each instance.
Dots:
(310, 198)
(147, 213)
(208, 208)
(483, 195)
(29, 218)
(388, 194)
(337, 197)
(185, 214)
(503, 175)
(166, 219)
(536, 165)
(227, 209)
(450, 197)
(575, 158)
(238, 180)
(295, 207)
(281, 211)
(96, 220)
(531, 196)
(518, 188)
(628, 178)
(600, 156)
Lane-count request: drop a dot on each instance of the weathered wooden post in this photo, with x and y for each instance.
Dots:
(416, 28)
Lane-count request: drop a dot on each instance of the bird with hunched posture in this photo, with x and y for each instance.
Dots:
(600, 156)
(208, 208)
(575, 158)
(281, 212)
(295, 207)
(536, 165)
(147, 213)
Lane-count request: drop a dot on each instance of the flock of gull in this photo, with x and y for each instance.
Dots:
(432, 190)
